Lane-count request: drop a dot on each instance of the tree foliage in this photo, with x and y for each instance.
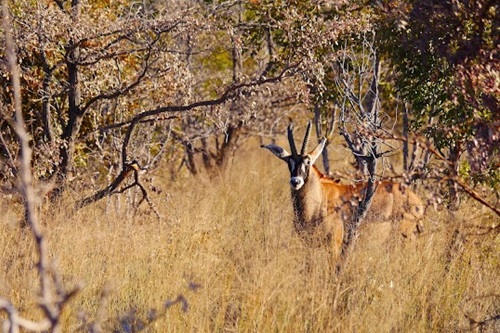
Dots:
(184, 82)
(446, 56)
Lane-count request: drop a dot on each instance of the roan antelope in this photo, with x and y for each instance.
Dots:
(323, 206)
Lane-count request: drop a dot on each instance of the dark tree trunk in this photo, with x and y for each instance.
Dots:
(189, 158)
(75, 113)
(75, 118)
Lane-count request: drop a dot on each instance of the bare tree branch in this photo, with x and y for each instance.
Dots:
(50, 305)
(132, 167)
(230, 92)
(120, 91)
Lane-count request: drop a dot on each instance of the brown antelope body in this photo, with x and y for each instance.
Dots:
(323, 206)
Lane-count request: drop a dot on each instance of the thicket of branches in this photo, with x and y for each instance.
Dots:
(105, 85)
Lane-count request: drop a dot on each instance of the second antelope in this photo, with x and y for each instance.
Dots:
(322, 206)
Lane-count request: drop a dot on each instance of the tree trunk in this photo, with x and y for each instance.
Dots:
(75, 118)
(405, 142)
(75, 113)
(326, 160)
(319, 135)
(227, 148)
(190, 161)
(453, 157)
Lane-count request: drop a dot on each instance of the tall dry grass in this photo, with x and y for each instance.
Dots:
(233, 237)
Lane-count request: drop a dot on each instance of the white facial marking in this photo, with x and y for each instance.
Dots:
(296, 182)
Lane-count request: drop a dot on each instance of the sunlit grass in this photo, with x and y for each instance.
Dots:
(233, 238)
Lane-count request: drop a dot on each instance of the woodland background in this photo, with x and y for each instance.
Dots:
(138, 199)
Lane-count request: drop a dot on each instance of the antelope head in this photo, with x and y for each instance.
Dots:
(298, 164)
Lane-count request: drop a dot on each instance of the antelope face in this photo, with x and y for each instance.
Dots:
(299, 167)
(298, 164)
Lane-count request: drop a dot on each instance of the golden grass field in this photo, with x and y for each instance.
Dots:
(228, 247)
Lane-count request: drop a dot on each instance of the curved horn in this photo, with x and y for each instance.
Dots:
(306, 138)
(291, 141)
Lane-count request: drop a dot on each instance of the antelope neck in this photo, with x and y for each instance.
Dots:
(307, 200)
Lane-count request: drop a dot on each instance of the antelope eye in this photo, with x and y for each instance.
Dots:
(307, 162)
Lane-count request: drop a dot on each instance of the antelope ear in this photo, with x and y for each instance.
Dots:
(278, 151)
(317, 151)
